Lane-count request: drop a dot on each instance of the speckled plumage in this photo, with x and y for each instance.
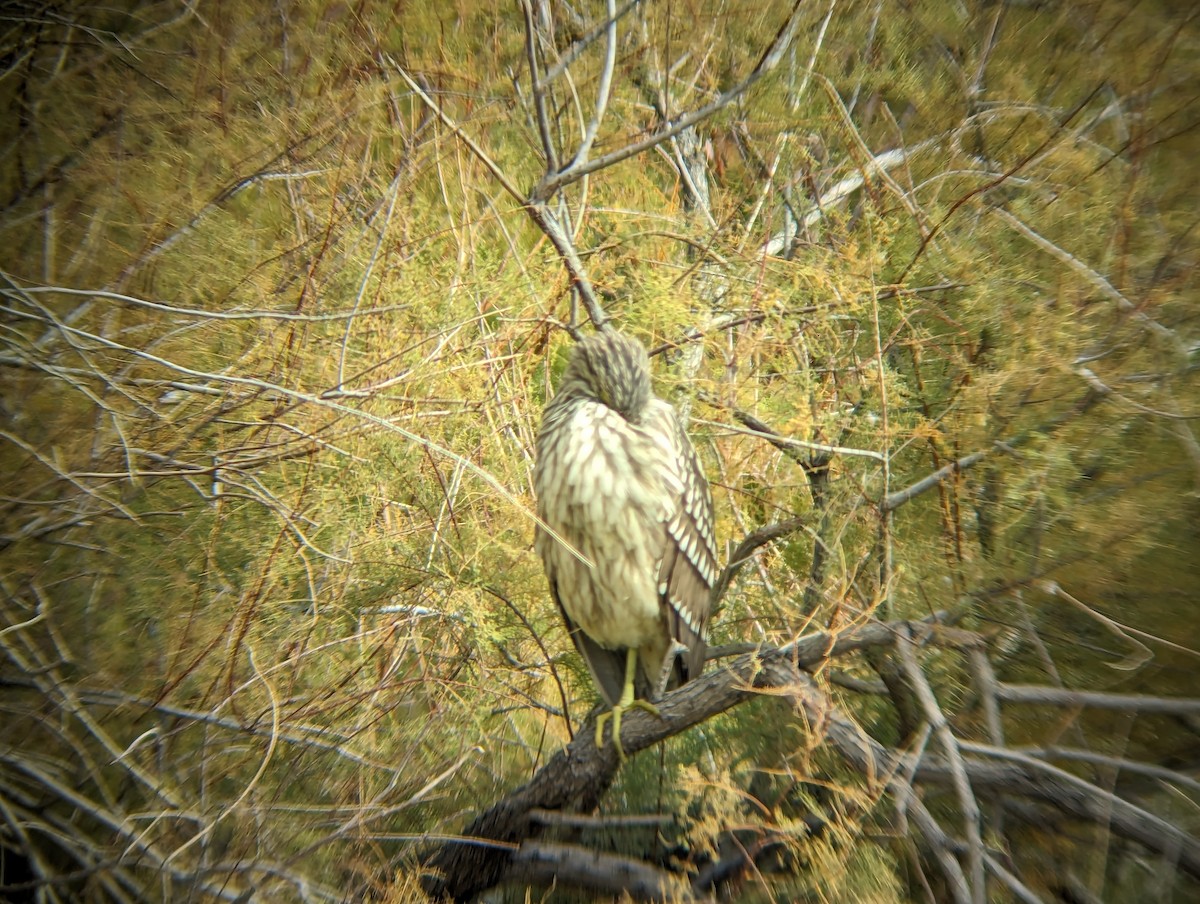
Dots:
(617, 478)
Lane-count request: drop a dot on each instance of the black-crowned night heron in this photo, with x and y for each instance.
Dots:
(630, 551)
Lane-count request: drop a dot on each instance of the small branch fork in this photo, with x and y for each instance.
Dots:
(502, 843)
(538, 201)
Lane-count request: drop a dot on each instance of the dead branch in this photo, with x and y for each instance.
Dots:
(1053, 696)
(1025, 776)
(1158, 774)
(753, 541)
(544, 864)
(1018, 776)
(962, 784)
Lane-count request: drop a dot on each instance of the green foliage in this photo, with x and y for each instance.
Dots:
(275, 338)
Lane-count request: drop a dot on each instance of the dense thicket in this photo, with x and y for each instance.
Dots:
(286, 286)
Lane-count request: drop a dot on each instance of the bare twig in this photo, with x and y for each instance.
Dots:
(1124, 305)
(1051, 696)
(1141, 653)
(197, 313)
(750, 544)
(602, 93)
(491, 165)
(539, 92)
(972, 817)
(893, 501)
(572, 53)
(555, 182)
(786, 444)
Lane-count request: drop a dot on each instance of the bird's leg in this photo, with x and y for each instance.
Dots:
(626, 703)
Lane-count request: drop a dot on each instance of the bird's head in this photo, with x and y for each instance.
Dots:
(614, 370)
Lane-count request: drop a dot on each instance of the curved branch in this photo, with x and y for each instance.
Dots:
(751, 543)
(538, 87)
(578, 775)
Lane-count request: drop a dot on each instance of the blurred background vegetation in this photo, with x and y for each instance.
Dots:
(275, 345)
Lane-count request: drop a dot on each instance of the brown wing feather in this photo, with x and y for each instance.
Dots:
(689, 564)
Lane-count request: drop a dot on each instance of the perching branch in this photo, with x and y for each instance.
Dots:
(577, 777)
(541, 863)
(579, 774)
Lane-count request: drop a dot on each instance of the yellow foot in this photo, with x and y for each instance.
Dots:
(615, 714)
(625, 704)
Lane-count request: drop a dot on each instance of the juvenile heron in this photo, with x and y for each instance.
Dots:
(632, 556)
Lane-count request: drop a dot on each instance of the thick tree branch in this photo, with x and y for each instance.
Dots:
(545, 864)
(578, 776)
